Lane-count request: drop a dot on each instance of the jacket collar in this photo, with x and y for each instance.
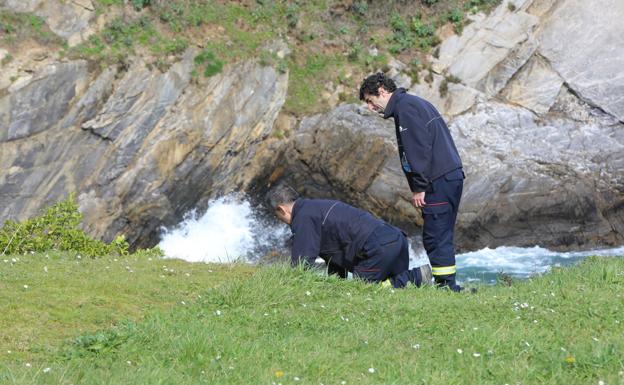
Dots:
(295, 209)
(394, 99)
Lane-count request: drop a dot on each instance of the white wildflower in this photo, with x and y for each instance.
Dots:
(28, 365)
(416, 346)
(476, 354)
(218, 312)
(595, 339)
(46, 370)
(460, 351)
(45, 268)
(25, 286)
(371, 370)
(308, 293)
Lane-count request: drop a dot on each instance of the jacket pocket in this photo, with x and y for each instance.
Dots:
(455, 175)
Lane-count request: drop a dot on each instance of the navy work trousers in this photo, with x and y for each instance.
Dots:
(385, 255)
(439, 216)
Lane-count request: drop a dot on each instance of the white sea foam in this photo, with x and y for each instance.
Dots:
(229, 230)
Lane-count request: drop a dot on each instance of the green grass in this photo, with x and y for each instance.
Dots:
(67, 295)
(283, 325)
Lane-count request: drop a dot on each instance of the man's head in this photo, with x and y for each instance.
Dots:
(282, 199)
(376, 91)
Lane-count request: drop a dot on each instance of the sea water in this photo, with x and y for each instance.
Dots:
(232, 229)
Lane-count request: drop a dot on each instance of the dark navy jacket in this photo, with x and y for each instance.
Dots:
(426, 148)
(329, 229)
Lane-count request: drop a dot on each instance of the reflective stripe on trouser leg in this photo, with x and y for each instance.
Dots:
(443, 270)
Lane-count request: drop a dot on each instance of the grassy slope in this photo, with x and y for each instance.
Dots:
(67, 296)
(286, 326)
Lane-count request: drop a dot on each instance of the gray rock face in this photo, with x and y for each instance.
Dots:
(535, 87)
(584, 42)
(69, 19)
(351, 154)
(489, 52)
(142, 147)
(36, 106)
(554, 182)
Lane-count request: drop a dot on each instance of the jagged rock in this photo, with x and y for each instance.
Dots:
(37, 105)
(350, 154)
(490, 51)
(142, 148)
(458, 97)
(555, 182)
(591, 59)
(535, 87)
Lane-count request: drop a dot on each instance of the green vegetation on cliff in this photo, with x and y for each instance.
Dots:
(328, 46)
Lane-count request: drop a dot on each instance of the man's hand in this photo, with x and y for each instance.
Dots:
(418, 200)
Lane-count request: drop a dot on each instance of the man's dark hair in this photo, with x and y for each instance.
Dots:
(370, 85)
(281, 194)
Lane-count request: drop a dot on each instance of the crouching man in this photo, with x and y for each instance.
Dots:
(347, 238)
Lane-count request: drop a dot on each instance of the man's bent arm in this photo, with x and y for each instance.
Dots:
(306, 243)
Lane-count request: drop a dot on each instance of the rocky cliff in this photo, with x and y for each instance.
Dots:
(140, 147)
(533, 94)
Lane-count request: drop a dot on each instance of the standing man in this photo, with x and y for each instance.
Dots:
(431, 165)
(347, 238)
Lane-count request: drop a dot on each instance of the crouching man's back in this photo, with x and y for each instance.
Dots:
(347, 238)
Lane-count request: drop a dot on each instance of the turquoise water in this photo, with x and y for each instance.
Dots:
(519, 262)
